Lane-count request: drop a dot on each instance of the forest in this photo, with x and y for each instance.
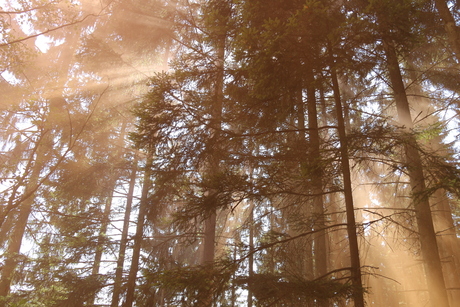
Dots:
(221, 153)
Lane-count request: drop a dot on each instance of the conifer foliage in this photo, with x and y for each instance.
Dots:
(229, 153)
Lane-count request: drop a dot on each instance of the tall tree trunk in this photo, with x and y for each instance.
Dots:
(19, 226)
(44, 144)
(111, 186)
(8, 215)
(209, 240)
(251, 251)
(317, 179)
(314, 157)
(138, 237)
(427, 235)
(449, 248)
(453, 31)
(110, 190)
(124, 238)
(101, 240)
(356, 279)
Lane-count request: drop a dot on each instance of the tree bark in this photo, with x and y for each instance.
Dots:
(138, 237)
(356, 278)
(444, 225)
(449, 247)
(314, 157)
(427, 236)
(19, 226)
(124, 238)
(111, 186)
(251, 251)
(320, 240)
(45, 143)
(209, 240)
(453, 31)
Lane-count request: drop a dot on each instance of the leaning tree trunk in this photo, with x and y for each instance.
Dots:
(448, 243)
(25, 208)
(45, 144)
(427, 236)
(453, 32)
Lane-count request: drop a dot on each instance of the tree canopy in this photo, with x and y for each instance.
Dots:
(229, 153)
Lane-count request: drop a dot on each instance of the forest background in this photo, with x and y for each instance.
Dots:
(229, 153)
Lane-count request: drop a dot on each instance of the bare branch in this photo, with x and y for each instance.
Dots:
(48, 31)
(56, 28)
(26, 10)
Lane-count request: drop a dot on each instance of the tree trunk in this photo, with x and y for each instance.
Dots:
(19, 226)
(449, 247)
(427, 236)
(356, 279)
(251, 251)
(101, 243)
(124, 238)
(138, 237)
(44, 144)
(314, 157)
(320, 240)
(444, 224)
(111, 186)
(209, 239)
(453, 32)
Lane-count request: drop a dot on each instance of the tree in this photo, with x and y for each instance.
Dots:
(61, 118)
(287, 153)
(452, 30)
(429, 247)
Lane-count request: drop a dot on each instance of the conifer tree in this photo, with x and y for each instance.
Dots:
(295, 153)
